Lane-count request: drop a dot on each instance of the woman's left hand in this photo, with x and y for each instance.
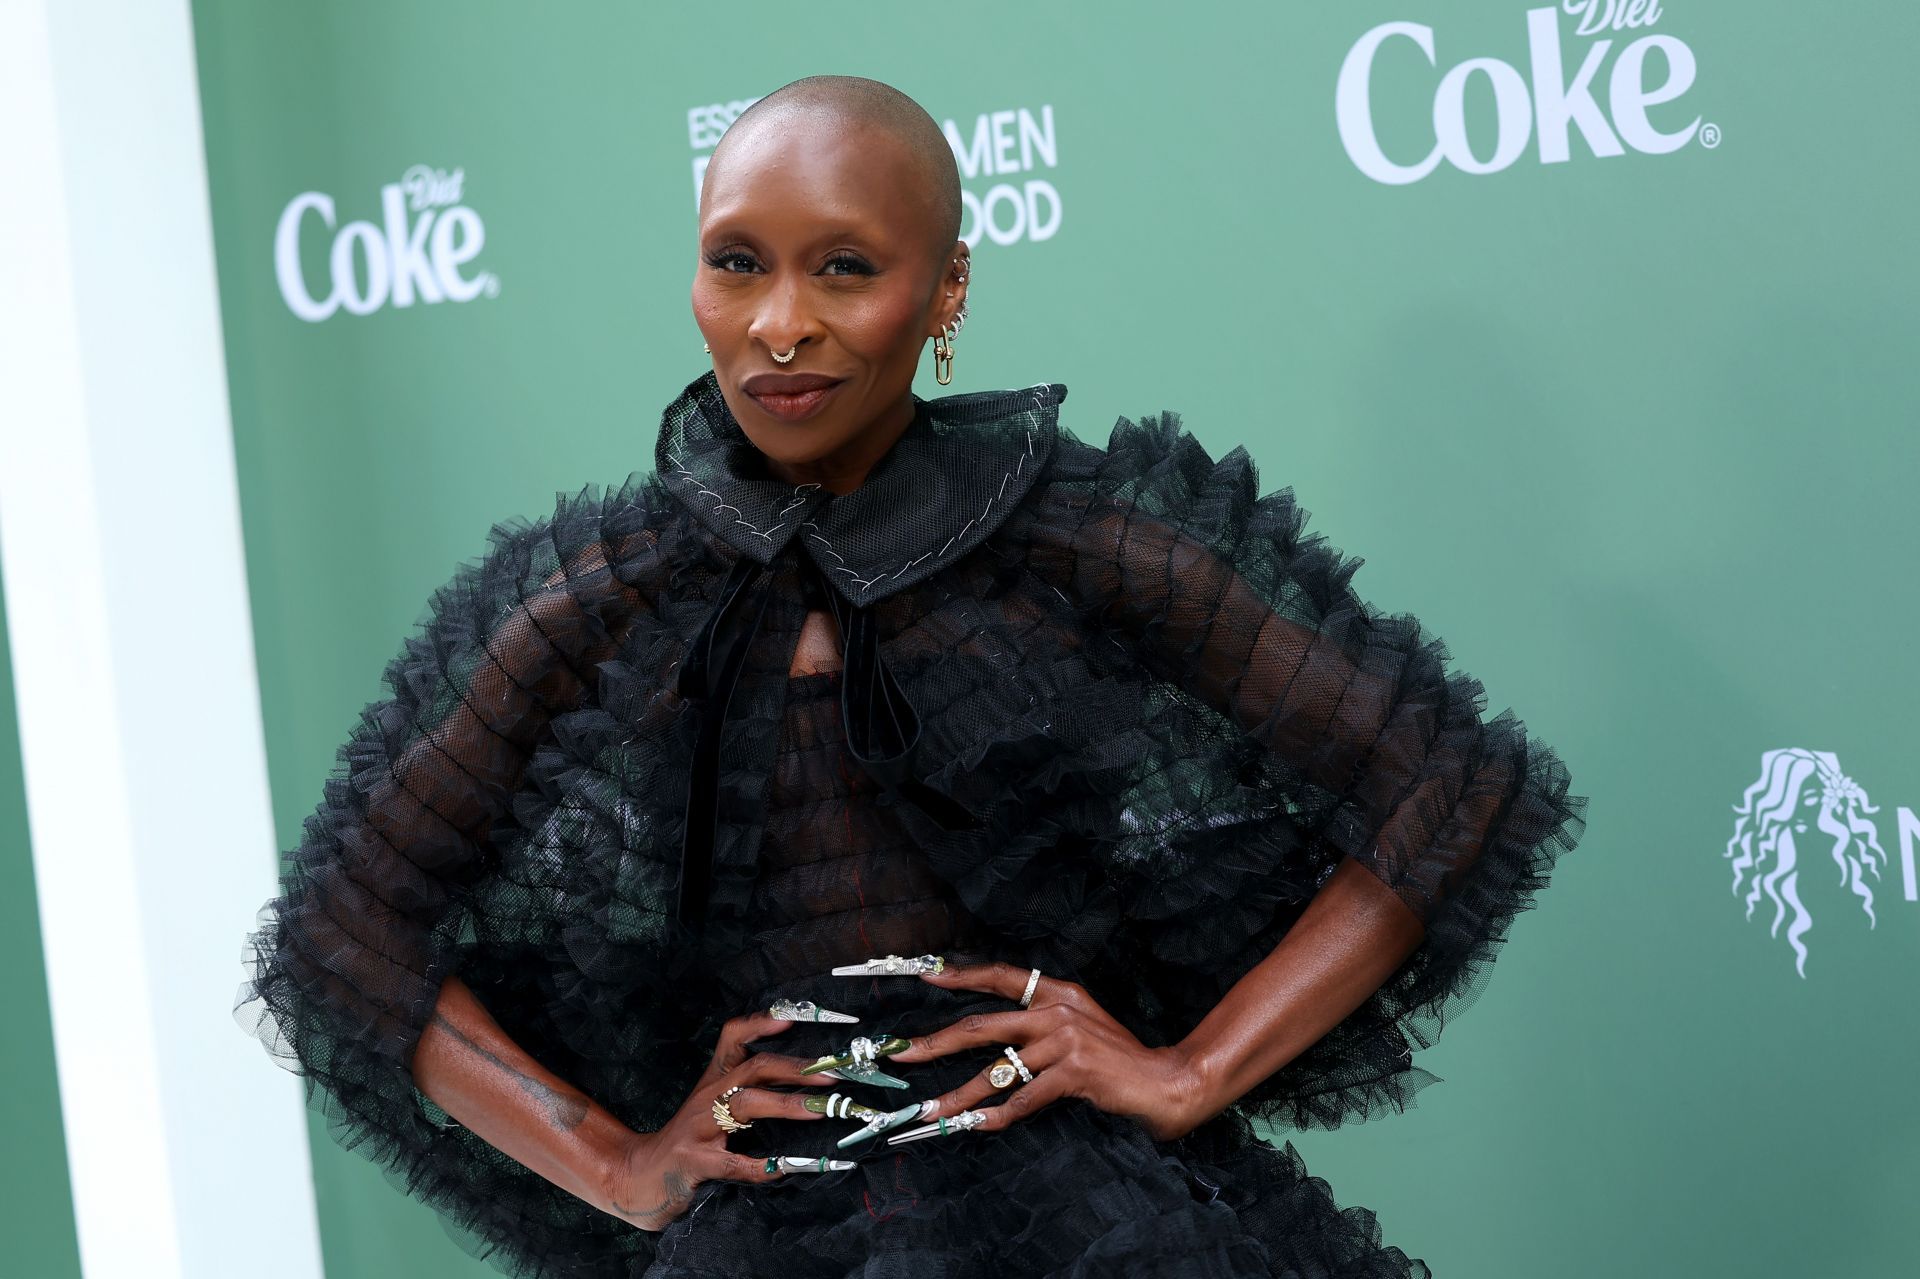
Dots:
(1073, 1047)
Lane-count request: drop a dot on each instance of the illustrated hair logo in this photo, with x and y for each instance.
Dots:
(1801, 805)
(1542, 101)
(417, 253)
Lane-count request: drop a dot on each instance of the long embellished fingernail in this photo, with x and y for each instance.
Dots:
(807, 1163)
(941, 1127)
(838, 1106)
(806, 1010)
(860, 1053)
(858, 1061)
(893, 966)
(887, 1122)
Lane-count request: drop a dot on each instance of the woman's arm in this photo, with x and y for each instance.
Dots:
(1349, 940)
(1426, 825)
(348, 981)
(1361, 706)
(476, 1073)
(360, 942)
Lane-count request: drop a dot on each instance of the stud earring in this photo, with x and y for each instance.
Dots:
(706, 348)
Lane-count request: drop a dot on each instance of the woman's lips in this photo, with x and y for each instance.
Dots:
(791, 397)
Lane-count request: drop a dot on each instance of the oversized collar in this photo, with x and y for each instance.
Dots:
(949, 480)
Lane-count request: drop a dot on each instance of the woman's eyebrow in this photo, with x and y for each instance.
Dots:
(734, 227)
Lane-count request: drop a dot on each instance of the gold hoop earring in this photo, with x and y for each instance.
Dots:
(943, 354)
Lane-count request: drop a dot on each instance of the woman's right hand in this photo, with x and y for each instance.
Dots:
(655, 1174)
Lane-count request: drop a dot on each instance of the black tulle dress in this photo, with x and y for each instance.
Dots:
(1104, 711)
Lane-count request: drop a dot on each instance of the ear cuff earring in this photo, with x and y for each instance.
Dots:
(943, 341)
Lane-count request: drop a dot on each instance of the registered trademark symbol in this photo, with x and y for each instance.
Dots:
(1709, 136)
(491, 285)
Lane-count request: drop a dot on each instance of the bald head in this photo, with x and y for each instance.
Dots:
(856, 104)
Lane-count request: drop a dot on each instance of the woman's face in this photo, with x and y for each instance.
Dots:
(821, 238)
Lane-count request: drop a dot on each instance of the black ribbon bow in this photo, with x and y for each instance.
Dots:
(881, 725)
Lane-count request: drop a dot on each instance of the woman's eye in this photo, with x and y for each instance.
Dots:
(740, 262)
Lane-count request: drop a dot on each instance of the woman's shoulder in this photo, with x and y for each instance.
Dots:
(616, 524)
(1154, 494)
(1157, 444)
(1154, 464)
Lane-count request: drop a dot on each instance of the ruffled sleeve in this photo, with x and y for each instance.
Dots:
(1374, 748)
(378, 899)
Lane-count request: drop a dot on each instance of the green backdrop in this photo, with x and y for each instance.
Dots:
(1632, 431)
(35, 1207)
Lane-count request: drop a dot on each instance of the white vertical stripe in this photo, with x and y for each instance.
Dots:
(133, 657)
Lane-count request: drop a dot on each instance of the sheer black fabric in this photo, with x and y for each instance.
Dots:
(1106, 711)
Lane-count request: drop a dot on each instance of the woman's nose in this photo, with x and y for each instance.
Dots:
(783, 319)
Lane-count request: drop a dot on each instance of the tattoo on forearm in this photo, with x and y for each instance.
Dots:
(566, 1110)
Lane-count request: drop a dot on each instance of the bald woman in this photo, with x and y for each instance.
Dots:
(893, 837)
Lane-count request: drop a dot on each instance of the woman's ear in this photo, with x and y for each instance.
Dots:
(953, 301)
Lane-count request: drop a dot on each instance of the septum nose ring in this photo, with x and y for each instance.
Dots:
(788, 357)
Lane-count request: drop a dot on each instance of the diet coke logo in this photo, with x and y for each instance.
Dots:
(416, 254)
(1542, 101)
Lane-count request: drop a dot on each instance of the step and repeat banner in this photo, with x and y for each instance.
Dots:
(1590, 326)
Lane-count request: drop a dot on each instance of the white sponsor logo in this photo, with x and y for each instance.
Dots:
(1542, 101)
(994, 153)
(1801, 792)
(425, 237)
(1003, 145)
(704, 127)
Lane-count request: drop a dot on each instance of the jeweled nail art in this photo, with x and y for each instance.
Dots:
(941, 1127)
(878, 1123)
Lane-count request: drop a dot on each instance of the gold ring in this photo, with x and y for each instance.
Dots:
(723, 1114)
